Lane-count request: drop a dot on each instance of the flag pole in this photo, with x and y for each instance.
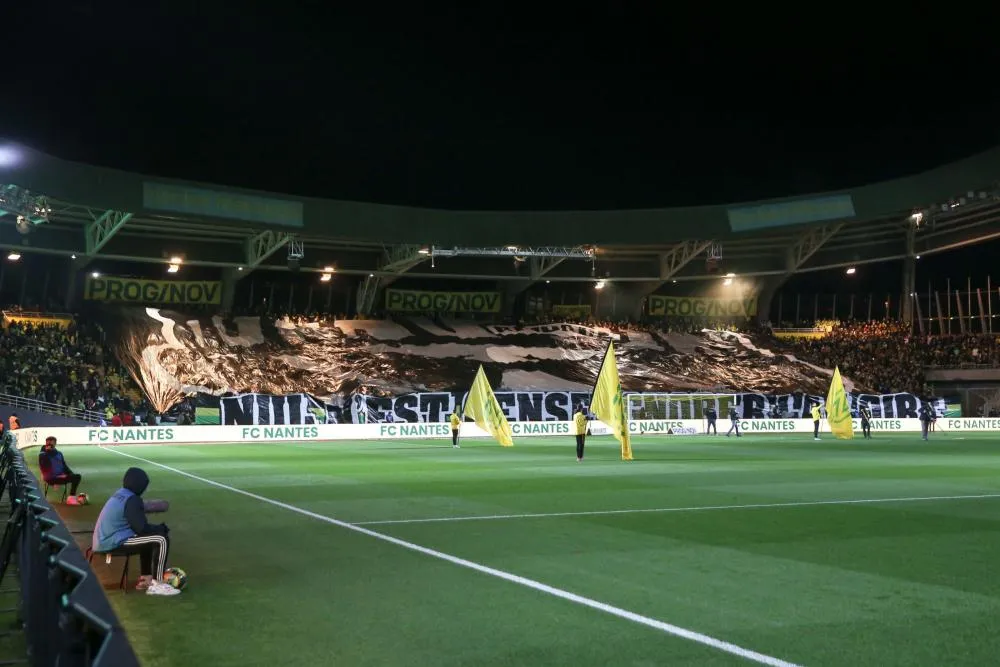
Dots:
(461, 415)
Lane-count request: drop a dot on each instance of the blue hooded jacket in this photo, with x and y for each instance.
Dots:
(123, 516)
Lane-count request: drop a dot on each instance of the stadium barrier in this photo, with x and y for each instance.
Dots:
(66, 616)
(165, 434)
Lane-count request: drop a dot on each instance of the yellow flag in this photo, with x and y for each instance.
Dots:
(608, 403)
(838, 411)
(484, 409)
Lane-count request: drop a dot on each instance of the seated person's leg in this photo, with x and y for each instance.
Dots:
(143, 548)
(74, 481)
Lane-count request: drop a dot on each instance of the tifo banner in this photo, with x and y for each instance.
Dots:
(265, 409)
(163, 292)
(332, 360)
(690, 306)
(412, 301)
(558, 406)
(579, 311)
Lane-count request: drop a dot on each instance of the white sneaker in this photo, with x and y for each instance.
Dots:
(158, 588)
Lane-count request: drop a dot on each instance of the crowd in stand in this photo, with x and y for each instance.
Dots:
(64, 365)
(888, 357)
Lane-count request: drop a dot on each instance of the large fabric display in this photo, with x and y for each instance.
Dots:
(172, 353)
(417, 369)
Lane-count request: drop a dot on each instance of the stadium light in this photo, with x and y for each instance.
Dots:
(14, 256)
(727, 282)
(73, 256)
(95, 274)
(173, 268)
(851, 271)
(424, 251)
(239, 268)
(9, 156)
(28, 208)
(326, 277)
(599, 284)
(918, 256)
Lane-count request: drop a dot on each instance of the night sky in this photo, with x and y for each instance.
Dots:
(488, 108)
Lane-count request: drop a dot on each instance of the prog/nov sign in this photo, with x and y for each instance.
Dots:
(153, 291)
(413, 301)
(689, 306)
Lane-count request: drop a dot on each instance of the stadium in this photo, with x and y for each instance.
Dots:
(286, 377)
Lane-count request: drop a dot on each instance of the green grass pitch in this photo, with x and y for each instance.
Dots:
(909, 580)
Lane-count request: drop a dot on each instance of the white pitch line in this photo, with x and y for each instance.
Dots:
(657, 510)
(667, 628)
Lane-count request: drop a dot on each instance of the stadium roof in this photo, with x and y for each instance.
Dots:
(99, 212)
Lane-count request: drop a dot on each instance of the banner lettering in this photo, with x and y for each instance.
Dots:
(689, 306)
(412, 301)
(163, 292)
(548, 406)
(259, 409)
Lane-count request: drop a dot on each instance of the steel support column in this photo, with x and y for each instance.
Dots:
(262, 246)
(909, 274)
(396, 261)
(103, 228)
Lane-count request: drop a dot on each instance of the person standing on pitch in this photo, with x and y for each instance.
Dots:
(926, 417)
(734, 417)
(580, 427)
(456, 423)
(711, 415)
(816, 415)
(865, 413)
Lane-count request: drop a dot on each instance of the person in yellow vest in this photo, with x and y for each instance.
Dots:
(456, 423)
(815, 411)
(580, 428)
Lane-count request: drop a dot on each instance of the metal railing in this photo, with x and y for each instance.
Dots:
(66, 616)
(22, 403)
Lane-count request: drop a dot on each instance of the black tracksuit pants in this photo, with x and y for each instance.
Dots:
(152, 549)
(579, 445)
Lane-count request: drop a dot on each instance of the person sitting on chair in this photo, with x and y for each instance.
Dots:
(55, 470)
(122, 525)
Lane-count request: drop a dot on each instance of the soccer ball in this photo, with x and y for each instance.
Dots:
(176, 577)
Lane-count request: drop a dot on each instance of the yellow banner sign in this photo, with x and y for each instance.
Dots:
(412, 301)
(690, 306)
(164, 292)
(37, 320)
(578, 311)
